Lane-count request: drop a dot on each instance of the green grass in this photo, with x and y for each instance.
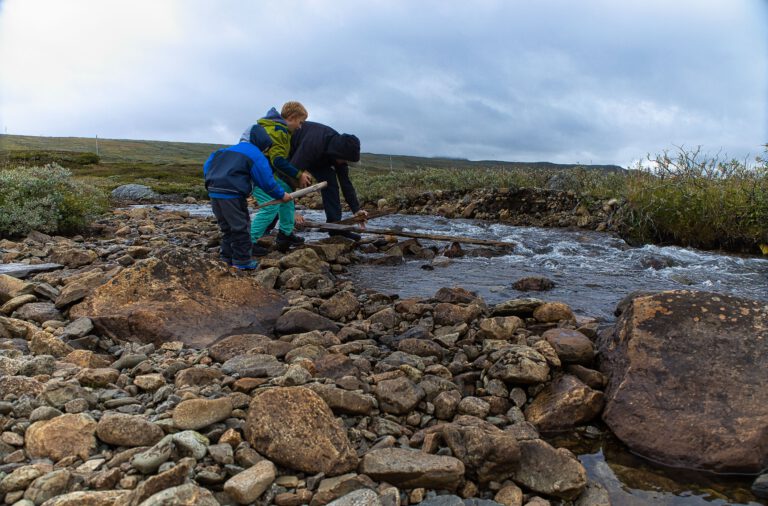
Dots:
(687, 199)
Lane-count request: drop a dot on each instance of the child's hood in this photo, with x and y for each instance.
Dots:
(273, 115)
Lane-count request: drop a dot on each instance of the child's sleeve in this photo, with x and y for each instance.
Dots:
(261, 173)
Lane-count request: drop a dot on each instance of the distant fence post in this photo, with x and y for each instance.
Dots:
(97, 145)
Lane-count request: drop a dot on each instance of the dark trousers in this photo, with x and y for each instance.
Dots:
(235, 224)
(330, 194)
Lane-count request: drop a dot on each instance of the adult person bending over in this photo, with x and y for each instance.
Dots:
(325, 153)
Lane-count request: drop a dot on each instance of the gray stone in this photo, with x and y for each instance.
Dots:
(191, 443)
(412, 468)
(134, 192)
(149, 461)
(254, 366)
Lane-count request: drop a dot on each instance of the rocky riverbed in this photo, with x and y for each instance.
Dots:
(138, 369)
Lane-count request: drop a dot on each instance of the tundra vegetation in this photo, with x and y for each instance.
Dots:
(685, 197)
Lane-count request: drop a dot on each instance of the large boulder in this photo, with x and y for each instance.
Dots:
(180, 296)
(295, 428)
(687, 383)
(134, 192)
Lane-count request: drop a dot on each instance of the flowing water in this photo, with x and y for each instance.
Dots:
(592, 272)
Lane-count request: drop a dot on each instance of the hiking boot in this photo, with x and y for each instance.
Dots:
(248, 266)
(284, 242)
(259, 251)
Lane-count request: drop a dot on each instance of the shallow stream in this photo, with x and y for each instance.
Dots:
(592, 272)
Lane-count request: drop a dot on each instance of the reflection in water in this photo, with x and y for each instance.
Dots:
(633, 481)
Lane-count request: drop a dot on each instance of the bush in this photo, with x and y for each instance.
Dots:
(700, 201)
(67, 159)
(46, 199)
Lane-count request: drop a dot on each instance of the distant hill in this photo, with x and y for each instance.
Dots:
(192, 153)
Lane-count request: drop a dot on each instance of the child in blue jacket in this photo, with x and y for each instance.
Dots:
(230, 175)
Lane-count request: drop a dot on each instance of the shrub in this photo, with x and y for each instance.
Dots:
(46, 199)
(700, 201)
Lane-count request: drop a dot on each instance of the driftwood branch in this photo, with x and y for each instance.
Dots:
(400, 233)
(296, 194)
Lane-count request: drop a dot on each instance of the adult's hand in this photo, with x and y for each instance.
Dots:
(304, 179)
(298, 219)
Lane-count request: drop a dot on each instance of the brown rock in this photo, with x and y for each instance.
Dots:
(341, 305)
(553, 312)
(563, 404)
(89, 498)
(518, 364)
(399, 395)
(78, 289)
(173, 477)
(87, 359)
(549, 471)
(335, 366)
(188, 494)
(97, 377)
(455, 295)
(199, 376)
(421, 348)
(533, 283)
(500, 327)
(303, 434)
(20, 385)
(73, 258)
(232, 346)
(43, 343)
(301, 320)
(10, 287)
(408, 469)
(199, 413)
(39, 312)
(65, 435)
(179, 296)
(128, 430)
(571, 346)
(344, 401)
(683, 365)
(488, 453)
(452, 314)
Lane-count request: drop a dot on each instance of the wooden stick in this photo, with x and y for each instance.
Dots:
(296, 194)
(415, 235)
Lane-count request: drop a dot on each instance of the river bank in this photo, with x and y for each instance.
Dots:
(133, 373)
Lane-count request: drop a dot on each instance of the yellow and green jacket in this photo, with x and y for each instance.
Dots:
(278, 155)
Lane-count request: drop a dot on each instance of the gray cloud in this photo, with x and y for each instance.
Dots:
(593, 81)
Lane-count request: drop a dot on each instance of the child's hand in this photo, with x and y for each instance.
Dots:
(287, 197)
(299, 219)
(304, 179)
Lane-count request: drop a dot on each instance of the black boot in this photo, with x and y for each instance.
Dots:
(284, 242)
(258, 251)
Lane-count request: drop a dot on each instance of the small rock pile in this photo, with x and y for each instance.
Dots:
(355, 397)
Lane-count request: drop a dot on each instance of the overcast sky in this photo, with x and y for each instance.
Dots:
(567, 81)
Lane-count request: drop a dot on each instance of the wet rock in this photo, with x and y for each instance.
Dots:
(455, 295)
(65, 435)
(128, 430)
(564, 403)
(572, 346)
(553, 312)
(179, 296)
(235, 345)
(301, 320)
(303, 434)
(683, 365)
(199, 413)
(533, 284)
(550, 471)
(594, 495)
(399, 395)
(247, 486)
(518, 364)
(412, 468)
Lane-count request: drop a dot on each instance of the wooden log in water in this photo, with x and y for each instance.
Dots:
(401, 233)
